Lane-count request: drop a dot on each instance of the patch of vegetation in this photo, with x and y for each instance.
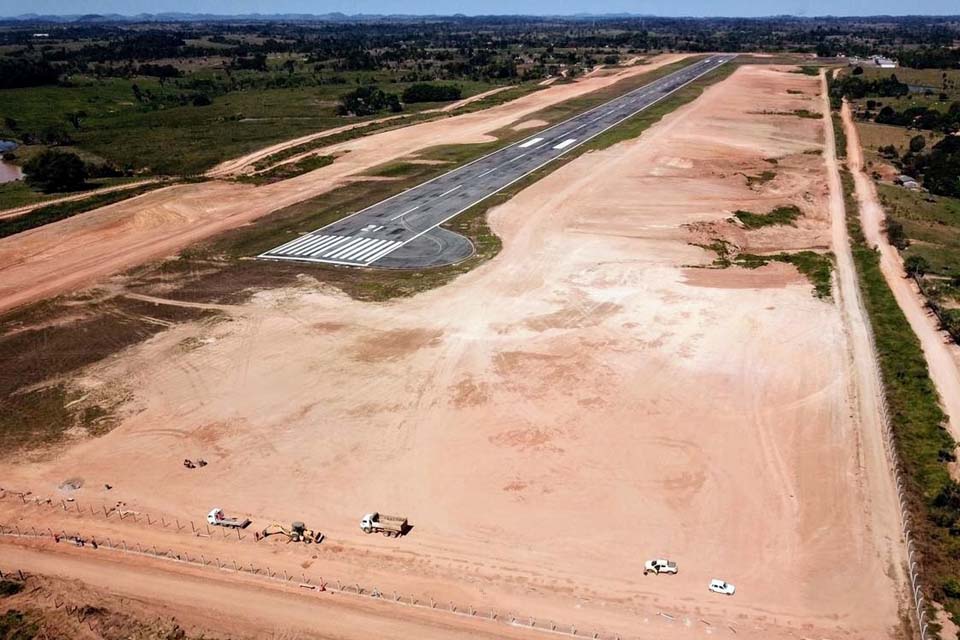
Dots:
(288, 170)
(55, 171)
(15, 625)
(808, 70)
(839, 135)
(427, 92)
(817, 267)
(62, 210)
(10, 588)
(785, 214)
(763, 178)
(923, 445)
(795, 92)
(806, 113)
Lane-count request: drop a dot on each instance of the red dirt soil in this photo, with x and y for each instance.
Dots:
(551, 419)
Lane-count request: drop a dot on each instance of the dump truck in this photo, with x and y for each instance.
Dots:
(218, 518)
(298, 532)
(390, 526)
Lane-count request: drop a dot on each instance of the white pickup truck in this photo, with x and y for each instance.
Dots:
(659, 566)
(721, 586)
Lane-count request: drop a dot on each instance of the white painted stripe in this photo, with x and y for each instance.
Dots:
(358, 248)
(486, 172)
(344, 248)
(566, 143)
(517, 158)
(377, 256)
(446, 193)
(319, 248)
(529, 143)
(404, 213)
(328, 241)
(293, 243)
(372, 249)
(308, 247)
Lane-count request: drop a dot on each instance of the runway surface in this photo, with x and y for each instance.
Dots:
(403, 231)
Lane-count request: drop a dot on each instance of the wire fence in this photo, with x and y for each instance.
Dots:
(319, 585)
(913, 566)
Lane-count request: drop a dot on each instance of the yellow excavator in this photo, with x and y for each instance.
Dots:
(298, 532)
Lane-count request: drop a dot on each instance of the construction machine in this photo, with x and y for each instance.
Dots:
(297, 532)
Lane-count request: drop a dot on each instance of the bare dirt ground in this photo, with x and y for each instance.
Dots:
(65, 255)
(548, 421)
(942, 356)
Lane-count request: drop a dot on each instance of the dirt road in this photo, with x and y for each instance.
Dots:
(233, 607)
(592, 397)
(940, 353)
(19, 211)
(83, 249)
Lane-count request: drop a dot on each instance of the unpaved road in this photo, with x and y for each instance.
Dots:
(589, 380)
(27, 208)
(83, 249)
(233, 607)
(940, 354)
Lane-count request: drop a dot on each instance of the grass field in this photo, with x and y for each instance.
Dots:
(184, 140)
(932, 223)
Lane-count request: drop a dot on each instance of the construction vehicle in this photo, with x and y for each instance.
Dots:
(390, 526)
(298, 532)
(218, 518)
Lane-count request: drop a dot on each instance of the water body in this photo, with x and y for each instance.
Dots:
(9, 172)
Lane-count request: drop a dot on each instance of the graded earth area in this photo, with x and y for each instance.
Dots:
(593, 397)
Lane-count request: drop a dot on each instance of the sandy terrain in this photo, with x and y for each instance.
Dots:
(71, 253)
(941, 355)
(583, 402)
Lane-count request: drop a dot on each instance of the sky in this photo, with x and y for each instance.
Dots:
(750, 8)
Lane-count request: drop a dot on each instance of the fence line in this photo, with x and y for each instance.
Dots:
(889, 441)
(354, 589)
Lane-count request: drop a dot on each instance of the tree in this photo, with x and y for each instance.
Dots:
(54, 170)
(916, 266)
(857, 71)
(917, 143)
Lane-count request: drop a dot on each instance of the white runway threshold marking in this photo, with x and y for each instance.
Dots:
(331, 248)
(566, 143)
(529, 143)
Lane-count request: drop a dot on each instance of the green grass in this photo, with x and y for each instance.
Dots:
(785, 214)
(808, 70)
(60, 211)
(839, 135)
(19, 193)
(932, 223)
(10, 588)
(289, 170)
(924, 446)
(184, 140)
(817, 267)
(806, 113)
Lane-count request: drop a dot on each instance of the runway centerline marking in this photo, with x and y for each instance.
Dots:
(405, 213)
(490, 171)
(446, 193)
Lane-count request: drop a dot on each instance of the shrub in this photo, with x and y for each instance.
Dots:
(365, 101)
(426, 92)
(55, 171)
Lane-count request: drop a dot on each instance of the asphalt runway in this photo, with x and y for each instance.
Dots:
(403, 231)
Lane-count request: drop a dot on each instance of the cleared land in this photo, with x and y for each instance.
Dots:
(66, 255)
(590, 398)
